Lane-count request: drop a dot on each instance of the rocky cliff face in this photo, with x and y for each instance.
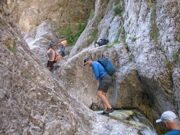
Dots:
(34, 103)
(29, 14)
(42, 20)
(31, 101)
(151, 30)
(145, 37)
(144, 44)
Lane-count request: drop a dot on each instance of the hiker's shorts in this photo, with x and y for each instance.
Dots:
(50, 64)
(104, 83)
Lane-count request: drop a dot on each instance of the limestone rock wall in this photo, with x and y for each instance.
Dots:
(144, 44)
(43, 20)
(148, 32)
(126, 90)
(32, 102)
(38, 39)
(151, 29)
(29, 14)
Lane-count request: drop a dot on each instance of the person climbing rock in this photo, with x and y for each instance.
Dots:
(171, 122)
(104, 82)
(53, 57)
(62, 49)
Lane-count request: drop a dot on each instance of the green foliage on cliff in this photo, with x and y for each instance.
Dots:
(151, 2)
(175, 59)
(117, 9)
(93, 36)
(154, 33)
(11, 45)
(133, 39)
(122, 34)
(176, 56)
(92, 13)
(178, 37)
(70, 33)
(26, 74)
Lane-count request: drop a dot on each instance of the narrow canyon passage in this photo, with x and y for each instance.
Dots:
(143, 44)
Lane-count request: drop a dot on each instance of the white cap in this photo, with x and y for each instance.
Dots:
(167, 116)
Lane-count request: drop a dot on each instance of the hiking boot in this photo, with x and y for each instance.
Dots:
(104, 112)
(109, 110)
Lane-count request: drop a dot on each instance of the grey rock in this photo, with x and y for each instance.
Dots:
(150, 49)
(33, 102)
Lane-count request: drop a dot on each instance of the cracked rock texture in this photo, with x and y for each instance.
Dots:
(144, 44)
(29, 14)
(34, 103)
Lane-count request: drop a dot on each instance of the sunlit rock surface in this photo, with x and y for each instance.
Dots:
(31, 13)
(135, 118)
(39, 38)
(148, 31)
(33, 102)
(144, 45)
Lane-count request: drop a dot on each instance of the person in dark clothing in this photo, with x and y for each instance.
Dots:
(171, 122)
(104, 82)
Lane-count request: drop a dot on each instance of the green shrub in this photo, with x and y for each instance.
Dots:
(176, 56)
(168, 64)
(109, 45)
(93, 36)
(123, 38)
(11, 45)
(131, 57)
(151, 3)
(116, 40)
(154, 33)
(127, 47)
(117, 9)
(123, 35)
(91, 14)
(72, 34)
(178, 37)
(12, 49)
(26, 74)
(133, 39)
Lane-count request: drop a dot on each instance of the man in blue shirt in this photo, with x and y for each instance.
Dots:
(104, 82)
(171, 122)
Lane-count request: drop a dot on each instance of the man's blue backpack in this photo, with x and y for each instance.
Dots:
(108, 65)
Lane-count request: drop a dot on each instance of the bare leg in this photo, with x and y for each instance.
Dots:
(104, 105)
(104, 99)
